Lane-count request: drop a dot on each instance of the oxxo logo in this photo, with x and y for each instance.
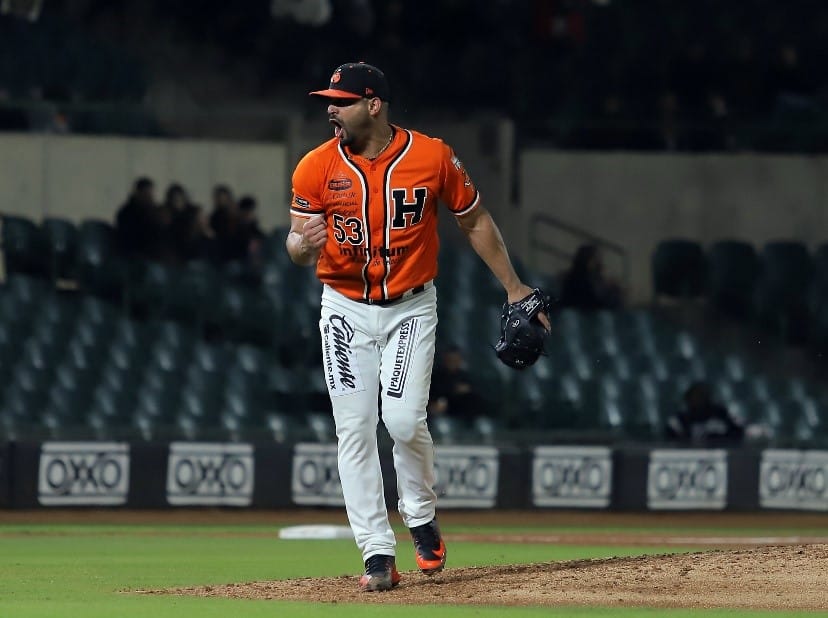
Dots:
(791, 479)
(572, 476)
(680, 479)
(210, 474)
(83, 473)
(466, 476)
(315, 475)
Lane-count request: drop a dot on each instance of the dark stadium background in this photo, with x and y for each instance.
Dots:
(686, 140)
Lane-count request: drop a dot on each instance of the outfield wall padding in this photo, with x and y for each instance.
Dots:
(5, 476)
(269, 476)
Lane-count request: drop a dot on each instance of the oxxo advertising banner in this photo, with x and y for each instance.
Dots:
(210, 474)
(687, 479)
(466, 476)
(315, 475)
(572, 476)
(791, 479)
(83, 473)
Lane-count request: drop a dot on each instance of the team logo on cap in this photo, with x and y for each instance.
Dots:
(336, 76)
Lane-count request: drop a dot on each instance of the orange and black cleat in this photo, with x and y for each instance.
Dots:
(380, 574)
(429, 548)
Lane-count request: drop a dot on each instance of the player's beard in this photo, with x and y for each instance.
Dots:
(348, 136)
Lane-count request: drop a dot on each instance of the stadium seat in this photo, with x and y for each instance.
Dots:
(678, 268)
(485, 429)
(785, 277)
(61, 243)
(279, 427)
(818, 322)
(321, 426)
(788, 421)
(316, 390)
(24, 247)
(150, 286)
(101, 271)
(446, 430)
(192, 295)
(733, 267)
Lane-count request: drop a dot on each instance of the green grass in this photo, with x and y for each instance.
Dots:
(86, 571)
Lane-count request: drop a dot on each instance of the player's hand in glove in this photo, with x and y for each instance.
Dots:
(524, 326)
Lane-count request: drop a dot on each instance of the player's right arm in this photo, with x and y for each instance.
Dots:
(306, 239)
(308, 230)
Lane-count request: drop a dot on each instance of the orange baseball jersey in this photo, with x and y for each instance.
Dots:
(381, 213)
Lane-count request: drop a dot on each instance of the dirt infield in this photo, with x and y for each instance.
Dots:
(743, 565)
(779, 577)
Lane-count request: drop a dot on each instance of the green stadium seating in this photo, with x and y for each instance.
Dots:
(678, 268)
(61, 245)
(733, 266)
(446, 430)
(280, 427)
(321, 426)
(780, 299)
(24, 247)
(101, 271)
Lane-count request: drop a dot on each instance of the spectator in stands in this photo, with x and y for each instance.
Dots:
(452, 393)
(138, 224)
(249, 223)
(247, 244)
(585, 287)
(793, 87)
(746, 88)
(703, 421)
(190, 234)
(175, 200)
(225, 222)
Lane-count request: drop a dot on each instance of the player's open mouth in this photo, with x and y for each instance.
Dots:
(337, 128)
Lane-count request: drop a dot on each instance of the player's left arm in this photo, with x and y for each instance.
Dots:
(485, 238)
(487, 241)
(458, 191)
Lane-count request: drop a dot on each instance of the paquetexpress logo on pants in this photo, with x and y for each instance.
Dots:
(406, 344)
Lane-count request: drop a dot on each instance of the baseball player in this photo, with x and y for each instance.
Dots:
(364, 213)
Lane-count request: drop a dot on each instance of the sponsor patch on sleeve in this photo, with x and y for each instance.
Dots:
(301, 202)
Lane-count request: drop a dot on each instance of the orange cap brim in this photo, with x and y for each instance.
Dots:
(330, 93)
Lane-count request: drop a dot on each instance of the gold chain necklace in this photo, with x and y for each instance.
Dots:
(381, 150)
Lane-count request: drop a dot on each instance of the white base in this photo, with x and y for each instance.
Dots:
(316, 531)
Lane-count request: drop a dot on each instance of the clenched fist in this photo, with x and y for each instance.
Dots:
(306, 239)
(314, 234)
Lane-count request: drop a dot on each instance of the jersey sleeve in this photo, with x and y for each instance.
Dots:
(306, 201)
(457, 189)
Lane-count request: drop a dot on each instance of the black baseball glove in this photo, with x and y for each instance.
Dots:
(521, 333)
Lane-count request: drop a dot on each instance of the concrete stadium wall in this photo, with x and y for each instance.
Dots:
(631, 199)
(89, 177)
(636, 200)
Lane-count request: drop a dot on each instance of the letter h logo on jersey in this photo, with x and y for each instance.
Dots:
(408, 213)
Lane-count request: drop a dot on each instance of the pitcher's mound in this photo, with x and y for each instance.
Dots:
(786, 577)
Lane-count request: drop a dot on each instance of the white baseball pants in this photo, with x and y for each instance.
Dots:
(385, 353)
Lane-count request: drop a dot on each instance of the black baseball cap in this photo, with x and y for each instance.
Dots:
(356, 80)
